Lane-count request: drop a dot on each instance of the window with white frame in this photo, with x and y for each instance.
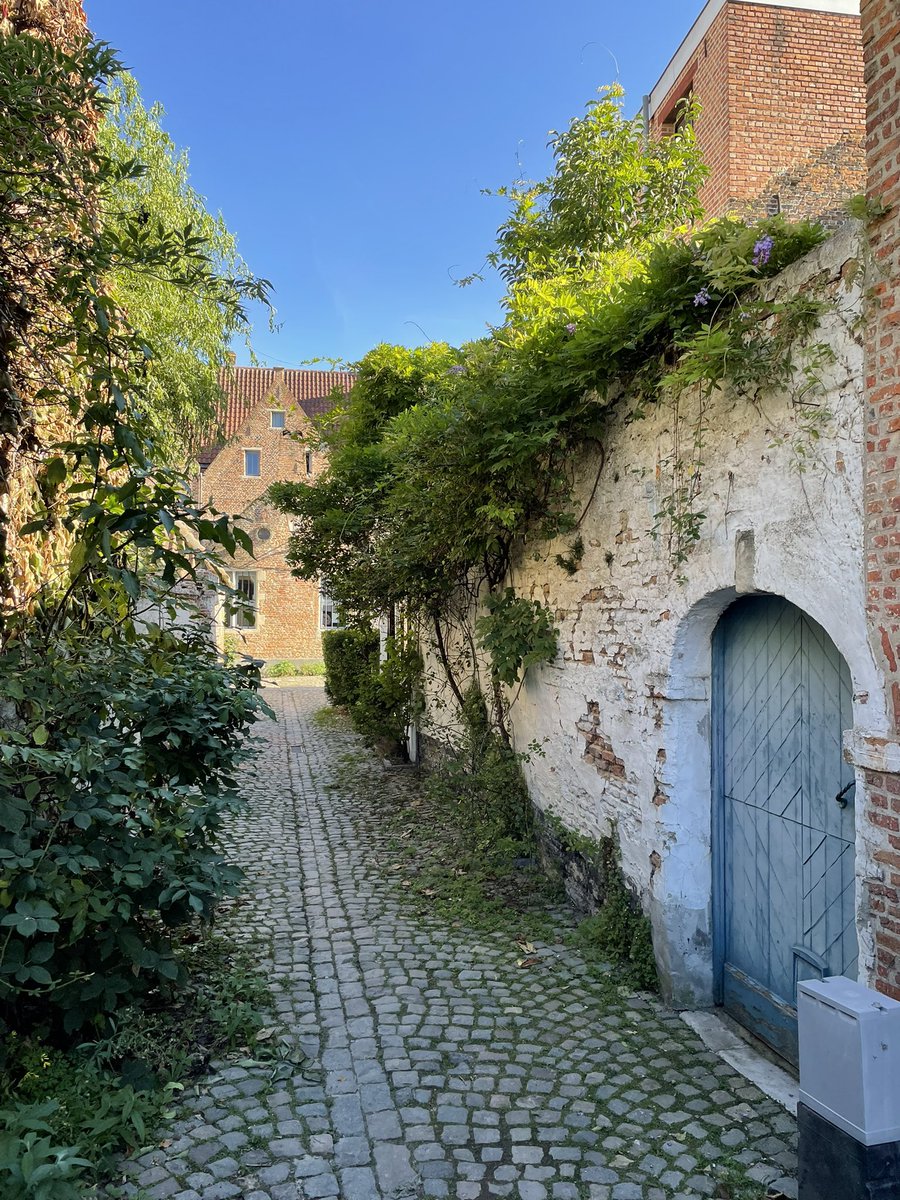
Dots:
(276, 418)
(240, 610)
(329, 617)
(251, 463)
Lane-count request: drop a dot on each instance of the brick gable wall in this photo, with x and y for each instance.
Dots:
(288, 608)
(783, 102)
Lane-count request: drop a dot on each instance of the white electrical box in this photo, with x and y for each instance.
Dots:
(850, 1057)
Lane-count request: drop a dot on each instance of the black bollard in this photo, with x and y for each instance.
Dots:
(835, 1166)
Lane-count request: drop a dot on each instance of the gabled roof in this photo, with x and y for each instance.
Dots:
(246, 387)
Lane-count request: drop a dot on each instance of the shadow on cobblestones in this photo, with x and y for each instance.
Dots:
(426, 1062)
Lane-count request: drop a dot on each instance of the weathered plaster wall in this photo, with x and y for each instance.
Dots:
(624, 712)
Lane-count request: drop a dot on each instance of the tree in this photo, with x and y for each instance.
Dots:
(97, 703)
(190, 330)
(613, 194)
(616, 296)
(443, 458)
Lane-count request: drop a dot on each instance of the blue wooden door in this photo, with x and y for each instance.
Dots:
(785, 826)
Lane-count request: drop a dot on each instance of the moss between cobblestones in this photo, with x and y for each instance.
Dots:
(495, 888)
(425, 856)
(491, 882)
(329, 717)
(499, 887)
(458, 1062)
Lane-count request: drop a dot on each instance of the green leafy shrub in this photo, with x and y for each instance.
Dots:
(71, 1112)
(117, 765)
(31, 1166)
(118, 741)
(287, 669)
(480, 779)
(389, 696)
(162, 1037)
(619, 932)
(351, 657)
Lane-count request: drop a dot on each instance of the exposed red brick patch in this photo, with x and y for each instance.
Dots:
(598, 748)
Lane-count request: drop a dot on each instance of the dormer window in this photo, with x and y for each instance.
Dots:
(276, 418)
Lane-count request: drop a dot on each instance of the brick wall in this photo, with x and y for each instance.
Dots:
(288, 608)
(881, 43)
(707, 76)
(783, 99)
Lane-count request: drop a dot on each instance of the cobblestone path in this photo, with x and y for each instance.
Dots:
(436, 1067)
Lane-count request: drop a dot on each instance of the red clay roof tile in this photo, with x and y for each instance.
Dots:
(245, 387)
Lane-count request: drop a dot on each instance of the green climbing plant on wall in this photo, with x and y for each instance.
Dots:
(446, 464)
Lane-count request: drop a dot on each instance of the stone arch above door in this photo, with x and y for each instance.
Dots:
(680, 904)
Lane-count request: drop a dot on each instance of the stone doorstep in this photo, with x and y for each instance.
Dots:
(747, 1056)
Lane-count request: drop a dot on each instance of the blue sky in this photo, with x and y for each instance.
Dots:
(346, 141)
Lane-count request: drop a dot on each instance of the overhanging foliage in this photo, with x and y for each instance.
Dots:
(444, 461)
(190, 329)
(118, 740)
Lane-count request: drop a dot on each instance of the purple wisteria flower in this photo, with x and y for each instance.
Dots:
(457, 369)
(762, 251)
(571, 327)
(702, 298)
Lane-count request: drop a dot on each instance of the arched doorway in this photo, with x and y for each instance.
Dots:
(784, 827)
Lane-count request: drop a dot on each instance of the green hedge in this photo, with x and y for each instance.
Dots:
(351, 659)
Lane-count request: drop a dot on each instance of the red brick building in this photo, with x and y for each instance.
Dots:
(281, 617)
(878, 755)
(780, 84)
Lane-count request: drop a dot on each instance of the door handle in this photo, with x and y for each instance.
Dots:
(802, 954)
(840, 799)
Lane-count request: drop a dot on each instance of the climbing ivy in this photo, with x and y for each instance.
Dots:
(516, 633)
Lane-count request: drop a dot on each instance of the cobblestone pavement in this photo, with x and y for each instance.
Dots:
(435, 1066)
